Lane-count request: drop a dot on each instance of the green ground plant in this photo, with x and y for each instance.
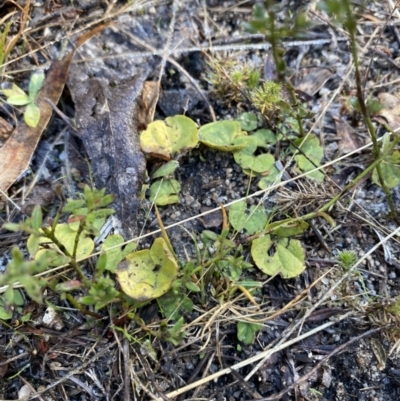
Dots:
(344, 14)
(221, 262)
(17, 97)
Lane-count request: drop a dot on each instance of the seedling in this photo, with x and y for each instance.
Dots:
(246, 331)
(17, 97)
(346, 259)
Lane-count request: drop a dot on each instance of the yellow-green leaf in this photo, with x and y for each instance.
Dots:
(166, 169)
(148, 274)
(115, 255)
(53, 257)
(18, 100)
(165, 192)
(32, 115)
(269, 178)
(15, 90)
(390, 171)
(291, 228)
(222, 135)
(284, 256)
(252, 220)
(65, 234)
(176, 135)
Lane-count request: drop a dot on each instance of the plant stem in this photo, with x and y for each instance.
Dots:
(350, 25)
(82, 309)
(51, 236)
(348, 187)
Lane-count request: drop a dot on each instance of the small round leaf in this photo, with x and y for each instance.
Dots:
(148, 274)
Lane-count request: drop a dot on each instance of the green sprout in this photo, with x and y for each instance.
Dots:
(346, 259)
(17, 97)
(268, 97)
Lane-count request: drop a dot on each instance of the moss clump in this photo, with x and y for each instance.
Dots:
(231, 79)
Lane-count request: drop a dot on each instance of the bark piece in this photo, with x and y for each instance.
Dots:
(107, 120)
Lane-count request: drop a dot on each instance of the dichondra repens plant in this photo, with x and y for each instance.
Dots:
(158, 274)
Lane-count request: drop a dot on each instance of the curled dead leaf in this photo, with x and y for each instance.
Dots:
(391, 109)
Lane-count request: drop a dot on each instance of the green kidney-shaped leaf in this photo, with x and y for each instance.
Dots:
(116, 254)
(165, 192)
(52, 257)
(305, 165)
(148, 274)
(66, 234)
(390, 171)
(269, 178)
(167, 139)
(284, 256)
(252, 220)
(222, 135)
(264, 136)
(259, 164)
(314, 152)
(246, 331)
(248, 121)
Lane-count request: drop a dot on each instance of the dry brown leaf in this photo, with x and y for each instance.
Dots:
(313, 80)
(17, 152)
(147, 104)
(5, 130)
(349, 139)
(391, 109)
